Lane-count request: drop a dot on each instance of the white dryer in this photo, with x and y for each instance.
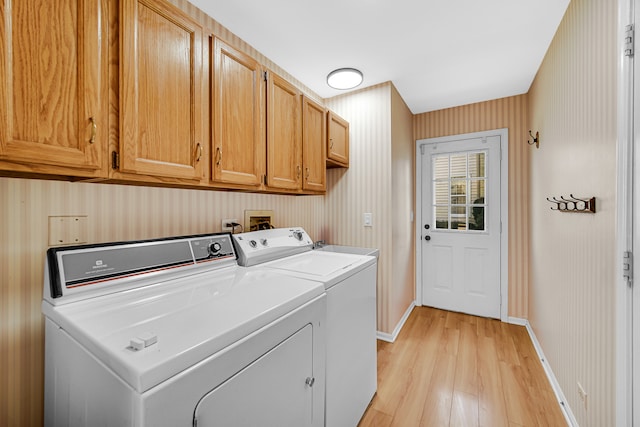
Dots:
(172, 332)
(350, 283)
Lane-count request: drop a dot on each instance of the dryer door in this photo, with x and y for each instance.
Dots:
(275, 390)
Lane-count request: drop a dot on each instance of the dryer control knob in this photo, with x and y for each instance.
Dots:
(298, 235)
(253, 243)
(214, 248)
(264, 242)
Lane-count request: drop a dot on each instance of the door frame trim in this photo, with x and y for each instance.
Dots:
(627, 199)
(504, 211)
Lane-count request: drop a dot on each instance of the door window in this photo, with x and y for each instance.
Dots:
(459, 187)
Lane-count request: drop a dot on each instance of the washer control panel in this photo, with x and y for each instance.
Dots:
(260, 246)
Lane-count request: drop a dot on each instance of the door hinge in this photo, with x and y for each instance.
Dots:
(628, 40)
(115, 160)
(265, 76)
(195, 422)
(264, 179)
(627, 266)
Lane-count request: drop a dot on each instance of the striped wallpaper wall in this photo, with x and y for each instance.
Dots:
(366, 185)
(571, 292)
(380, 180)
(508, 113)
(114, 212)
(402, 287)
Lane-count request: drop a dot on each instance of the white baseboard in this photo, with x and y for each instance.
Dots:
(517, 321)
(562, 400)
(392, 337)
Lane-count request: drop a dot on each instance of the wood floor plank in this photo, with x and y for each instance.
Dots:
(505, 346)
(464, 410)
(492, 407)
(466, 379)
(409, 412)
(451, 369)
(374, 418)
(394, 378)
(437, 406)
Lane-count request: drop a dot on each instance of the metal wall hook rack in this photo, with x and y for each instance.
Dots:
(573, 204)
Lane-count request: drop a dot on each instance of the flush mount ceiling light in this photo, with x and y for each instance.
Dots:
(344, 78)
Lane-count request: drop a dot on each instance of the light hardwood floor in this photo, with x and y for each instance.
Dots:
(452, 369)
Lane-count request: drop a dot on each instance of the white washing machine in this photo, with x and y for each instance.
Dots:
(350, 283)
(172, 332)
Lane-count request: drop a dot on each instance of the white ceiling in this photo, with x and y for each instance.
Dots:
(438, 53)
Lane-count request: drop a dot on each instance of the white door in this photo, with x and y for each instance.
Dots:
(460, 225)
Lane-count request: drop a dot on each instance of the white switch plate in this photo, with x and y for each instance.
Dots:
(67, 230)
(368, 219)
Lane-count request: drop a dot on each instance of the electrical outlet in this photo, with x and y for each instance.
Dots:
(226, 224)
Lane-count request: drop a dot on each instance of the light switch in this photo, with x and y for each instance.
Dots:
(368, 219)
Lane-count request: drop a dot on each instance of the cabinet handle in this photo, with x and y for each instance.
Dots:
(310, 381)
(219, 156)
(307, 174)
(199, 156)
(331, 143)
(298, 171)
(94, 130)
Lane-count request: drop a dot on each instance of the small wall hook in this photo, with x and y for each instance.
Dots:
(536, 139)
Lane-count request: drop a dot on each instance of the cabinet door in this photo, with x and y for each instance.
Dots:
(337, 141)
(284, 137)
(160, 91)
(313, 142)
(238, 114)
(53, 85)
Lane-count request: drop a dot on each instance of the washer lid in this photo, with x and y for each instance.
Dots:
(321, 264)
(329, 268)
(149, 334)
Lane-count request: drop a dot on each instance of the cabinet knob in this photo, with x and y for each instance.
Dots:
(310, 381)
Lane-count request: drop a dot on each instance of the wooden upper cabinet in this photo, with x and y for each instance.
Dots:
(314, 132)
(161, 115)
(337, 141)
(284, 134)
(238, 117)
(53, 86)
